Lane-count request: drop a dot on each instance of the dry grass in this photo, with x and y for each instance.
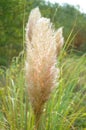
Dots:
(43, 46)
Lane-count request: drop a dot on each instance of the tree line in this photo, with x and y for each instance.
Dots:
(14, 15)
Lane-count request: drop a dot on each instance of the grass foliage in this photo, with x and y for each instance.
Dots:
(66, 109)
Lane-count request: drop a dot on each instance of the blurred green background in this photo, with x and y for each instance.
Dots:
(14, 15)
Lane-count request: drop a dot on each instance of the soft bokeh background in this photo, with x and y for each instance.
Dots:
(78, 3)
(14, 15)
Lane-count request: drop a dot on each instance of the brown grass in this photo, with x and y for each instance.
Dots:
(43, 45)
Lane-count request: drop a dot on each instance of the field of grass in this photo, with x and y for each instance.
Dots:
(66, 108)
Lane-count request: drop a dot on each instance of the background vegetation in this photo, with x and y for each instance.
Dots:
(14, 15)
(66, 109)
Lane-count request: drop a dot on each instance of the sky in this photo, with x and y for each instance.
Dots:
(81, 3)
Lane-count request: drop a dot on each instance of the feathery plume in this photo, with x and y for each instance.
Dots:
(41, 73)
(59, 39)
(34, 16)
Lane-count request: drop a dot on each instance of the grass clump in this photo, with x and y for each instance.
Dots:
(66, 109)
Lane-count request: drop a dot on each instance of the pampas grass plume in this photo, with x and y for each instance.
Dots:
(43, 45)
